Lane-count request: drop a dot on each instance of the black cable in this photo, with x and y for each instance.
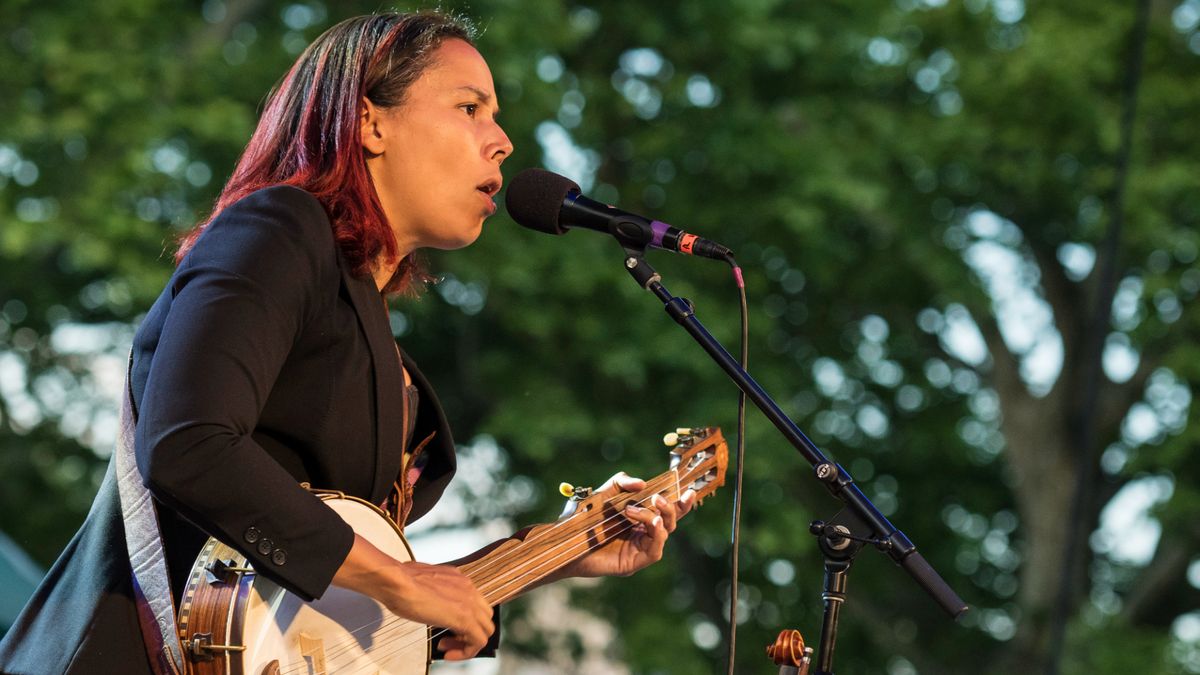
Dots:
(741, 453)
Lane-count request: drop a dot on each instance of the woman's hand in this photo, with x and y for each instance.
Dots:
(435, 595)
(640, 545)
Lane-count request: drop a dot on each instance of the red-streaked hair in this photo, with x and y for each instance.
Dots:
(308, 135)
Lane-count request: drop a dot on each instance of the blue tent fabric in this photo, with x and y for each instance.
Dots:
(19, 576)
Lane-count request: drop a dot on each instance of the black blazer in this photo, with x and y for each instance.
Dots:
(264, 363)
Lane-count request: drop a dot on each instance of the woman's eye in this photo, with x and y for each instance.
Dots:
(471, 108)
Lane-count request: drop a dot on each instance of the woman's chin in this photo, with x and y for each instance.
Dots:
(463, 241)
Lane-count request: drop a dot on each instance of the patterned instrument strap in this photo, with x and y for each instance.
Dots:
(143, 541)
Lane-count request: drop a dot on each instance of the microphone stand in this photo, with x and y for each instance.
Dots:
(858, 523)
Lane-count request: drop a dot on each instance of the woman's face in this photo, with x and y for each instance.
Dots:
(435, 159)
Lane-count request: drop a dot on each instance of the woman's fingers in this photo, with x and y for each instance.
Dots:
(667, 511)
(434, 595)
(655, 528)
(473, 625)
(473, 636)
(686, 502)
(465, 643)
(439, 595)
(622, 482)
(671, 513)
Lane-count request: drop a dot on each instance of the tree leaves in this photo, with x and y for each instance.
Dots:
(846, 151)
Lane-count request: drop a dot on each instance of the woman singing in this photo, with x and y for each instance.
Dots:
(268, 360)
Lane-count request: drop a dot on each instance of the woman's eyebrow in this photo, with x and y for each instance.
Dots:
(482, 95)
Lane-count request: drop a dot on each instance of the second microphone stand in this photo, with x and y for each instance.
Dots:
(858, 523)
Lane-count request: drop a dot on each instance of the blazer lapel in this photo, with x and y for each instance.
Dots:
(389, 381)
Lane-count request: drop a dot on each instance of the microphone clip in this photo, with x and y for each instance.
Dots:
(642, 272)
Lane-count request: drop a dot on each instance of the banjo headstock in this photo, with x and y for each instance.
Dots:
(700, 457)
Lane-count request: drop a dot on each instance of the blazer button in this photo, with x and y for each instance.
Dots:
(279, 556)
(265, 546)
(252, 535)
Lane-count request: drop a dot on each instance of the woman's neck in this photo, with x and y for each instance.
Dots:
(382, 275)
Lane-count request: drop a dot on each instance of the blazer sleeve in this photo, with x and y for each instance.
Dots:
(241, 298)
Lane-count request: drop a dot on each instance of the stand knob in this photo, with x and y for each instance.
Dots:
(790, 653)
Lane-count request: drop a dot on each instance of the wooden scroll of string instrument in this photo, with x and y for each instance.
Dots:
(234, 622)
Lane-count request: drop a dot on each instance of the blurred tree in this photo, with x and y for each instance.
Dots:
(970, 237)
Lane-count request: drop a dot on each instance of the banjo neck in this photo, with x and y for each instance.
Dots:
(534, 554)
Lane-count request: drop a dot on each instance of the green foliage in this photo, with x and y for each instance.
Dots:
(842, 149)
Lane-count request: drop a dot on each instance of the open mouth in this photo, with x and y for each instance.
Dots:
(489, 188)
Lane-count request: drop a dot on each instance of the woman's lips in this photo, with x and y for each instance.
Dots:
(488, 200)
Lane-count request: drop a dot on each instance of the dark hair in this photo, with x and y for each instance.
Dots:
(308, 135)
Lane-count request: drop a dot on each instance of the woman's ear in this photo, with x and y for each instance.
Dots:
(369, 126)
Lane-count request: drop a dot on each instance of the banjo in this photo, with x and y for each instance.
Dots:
(234, 622)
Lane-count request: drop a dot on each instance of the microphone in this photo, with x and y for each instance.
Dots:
(550, 203)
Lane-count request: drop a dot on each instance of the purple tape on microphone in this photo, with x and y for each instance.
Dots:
(659, 228)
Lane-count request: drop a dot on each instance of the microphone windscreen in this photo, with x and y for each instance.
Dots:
(535, 198)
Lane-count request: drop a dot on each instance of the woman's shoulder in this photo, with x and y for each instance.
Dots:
(286, 207)
(280, 221)
(278, 237)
